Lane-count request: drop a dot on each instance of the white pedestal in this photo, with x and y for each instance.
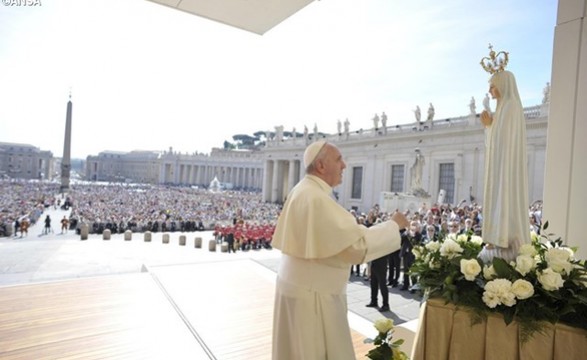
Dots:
(390, 202)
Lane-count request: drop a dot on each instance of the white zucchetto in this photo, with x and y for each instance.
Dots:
(312, 151)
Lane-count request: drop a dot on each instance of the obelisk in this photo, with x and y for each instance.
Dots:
(66, 160)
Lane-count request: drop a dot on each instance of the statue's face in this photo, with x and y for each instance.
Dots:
(494, 92)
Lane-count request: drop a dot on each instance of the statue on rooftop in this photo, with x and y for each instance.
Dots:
(472, 106)
(376, 122)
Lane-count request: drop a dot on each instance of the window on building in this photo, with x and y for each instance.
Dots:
(397, 178)
(446, 181)
(357, 182)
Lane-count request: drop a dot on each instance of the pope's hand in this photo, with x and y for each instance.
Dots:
(400, 219)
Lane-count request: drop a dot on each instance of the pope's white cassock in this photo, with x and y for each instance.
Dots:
(319, 240)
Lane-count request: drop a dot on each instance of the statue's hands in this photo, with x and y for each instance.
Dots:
(486, 118)
(400, 219)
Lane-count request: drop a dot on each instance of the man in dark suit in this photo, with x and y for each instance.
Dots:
(395, 266)
(230, 239)
(378, 280)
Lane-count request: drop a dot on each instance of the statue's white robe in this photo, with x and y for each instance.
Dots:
(505, 199)
(319, 240)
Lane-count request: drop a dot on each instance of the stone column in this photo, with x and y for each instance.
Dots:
(565, 193)
(291, 178)
(268, 180)
(277, 186)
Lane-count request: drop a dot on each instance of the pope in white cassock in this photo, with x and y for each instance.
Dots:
(319, 241)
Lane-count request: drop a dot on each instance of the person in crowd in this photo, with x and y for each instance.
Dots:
(409, 239)
(319, 241)
(395, 265)
(430, 234)
(64, 224)
(468, 228)
(16, 227)
(229, 237)
(534, 224)
(454, 228)
(378, 275)
(24, 226)
(378, 283)
(47, 229)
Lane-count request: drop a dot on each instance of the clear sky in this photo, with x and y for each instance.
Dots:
(147, 77)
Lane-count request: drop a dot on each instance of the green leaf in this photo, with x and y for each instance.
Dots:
(508, 315)
(502, 268)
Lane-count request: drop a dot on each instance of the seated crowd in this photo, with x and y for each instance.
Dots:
(121, 207)
(430, 224)
(245, 236)
(24, 201)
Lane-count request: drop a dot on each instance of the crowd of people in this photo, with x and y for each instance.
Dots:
(22, 202)
(426, 224)
(245, 236)
(139, 208)
(240, 218)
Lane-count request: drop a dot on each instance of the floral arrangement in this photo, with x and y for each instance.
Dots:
(385, 348)
(544, 283)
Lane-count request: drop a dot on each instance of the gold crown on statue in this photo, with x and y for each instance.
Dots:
(496, 62)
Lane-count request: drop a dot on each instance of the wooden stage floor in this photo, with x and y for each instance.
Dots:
(213, 310)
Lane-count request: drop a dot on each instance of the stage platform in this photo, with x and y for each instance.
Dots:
(66, 298)
(213, 310)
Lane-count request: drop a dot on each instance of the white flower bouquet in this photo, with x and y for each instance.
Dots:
(544, 283)
(385, 349)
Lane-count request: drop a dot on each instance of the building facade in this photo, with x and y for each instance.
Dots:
(450, 151)
(25, 161)
(233, 168)
(381, 160)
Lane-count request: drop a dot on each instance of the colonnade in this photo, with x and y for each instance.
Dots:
(191, 174)
(279, 178)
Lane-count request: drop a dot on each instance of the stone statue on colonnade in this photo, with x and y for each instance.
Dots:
(384, 122)
(346, 128)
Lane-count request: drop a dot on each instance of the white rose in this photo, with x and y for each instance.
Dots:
(477, 240)
(450, 248)
(534, 236)
(383, 325)
(433, 264)
(433, 246)
(462, 238)
(470, 268)
(489, 272)
(558, 260)
(508, 299)
(499, 286)
(524, 264)
(523, 289)
(528, 250)
(490, 299)
(416, 252)
(571, 252)
(550, 279)
(557, 254)
(500, 289)
(561, 267)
